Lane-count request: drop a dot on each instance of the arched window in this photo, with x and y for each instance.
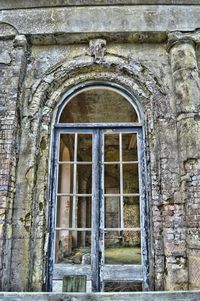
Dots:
(99, 192)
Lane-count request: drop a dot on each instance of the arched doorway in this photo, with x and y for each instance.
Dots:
(98, 240)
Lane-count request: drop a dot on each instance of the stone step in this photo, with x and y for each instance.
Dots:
(142, 296)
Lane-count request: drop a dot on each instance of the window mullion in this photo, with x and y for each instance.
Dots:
(102, 213)
(121, 182)
(74, 183)
(95, 212)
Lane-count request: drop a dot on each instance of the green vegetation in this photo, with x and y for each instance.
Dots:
(115, 255)
(126, 255)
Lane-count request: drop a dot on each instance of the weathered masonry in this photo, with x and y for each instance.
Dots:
(99, 147)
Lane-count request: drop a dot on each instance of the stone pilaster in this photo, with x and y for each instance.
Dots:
(16, 233)
(186, 83)
(12, 60)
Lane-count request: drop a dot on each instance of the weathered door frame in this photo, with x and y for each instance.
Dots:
(140, 273)
(100, 272)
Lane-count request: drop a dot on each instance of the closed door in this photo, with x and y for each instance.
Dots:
(99, 240)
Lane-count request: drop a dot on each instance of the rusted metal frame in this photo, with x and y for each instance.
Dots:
(95, 213)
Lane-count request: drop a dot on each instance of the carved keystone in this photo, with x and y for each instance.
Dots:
(97, 49)
(20, 41)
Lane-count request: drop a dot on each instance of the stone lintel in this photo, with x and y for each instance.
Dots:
(101, 19)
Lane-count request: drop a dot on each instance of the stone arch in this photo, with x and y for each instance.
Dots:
(33, 167)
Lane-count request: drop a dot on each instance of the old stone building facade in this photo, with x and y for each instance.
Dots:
(127, 71)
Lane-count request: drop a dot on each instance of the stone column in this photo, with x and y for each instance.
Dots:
(185, 270)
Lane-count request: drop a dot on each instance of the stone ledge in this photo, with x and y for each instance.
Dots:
(12, 4)
(144, 296)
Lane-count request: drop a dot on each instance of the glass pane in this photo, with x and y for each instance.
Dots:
(64, 212)
(111, 147)
(131, 212)
(112, 212)
(122, 247)
(66, 147)
(65, 178)
(73, 247)
(130, 178)
(84, 209)
(84, 148)
(98, 105)
(122, 286)
(82, 212)
(112, 178)
(84, 178)
(129, 147)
